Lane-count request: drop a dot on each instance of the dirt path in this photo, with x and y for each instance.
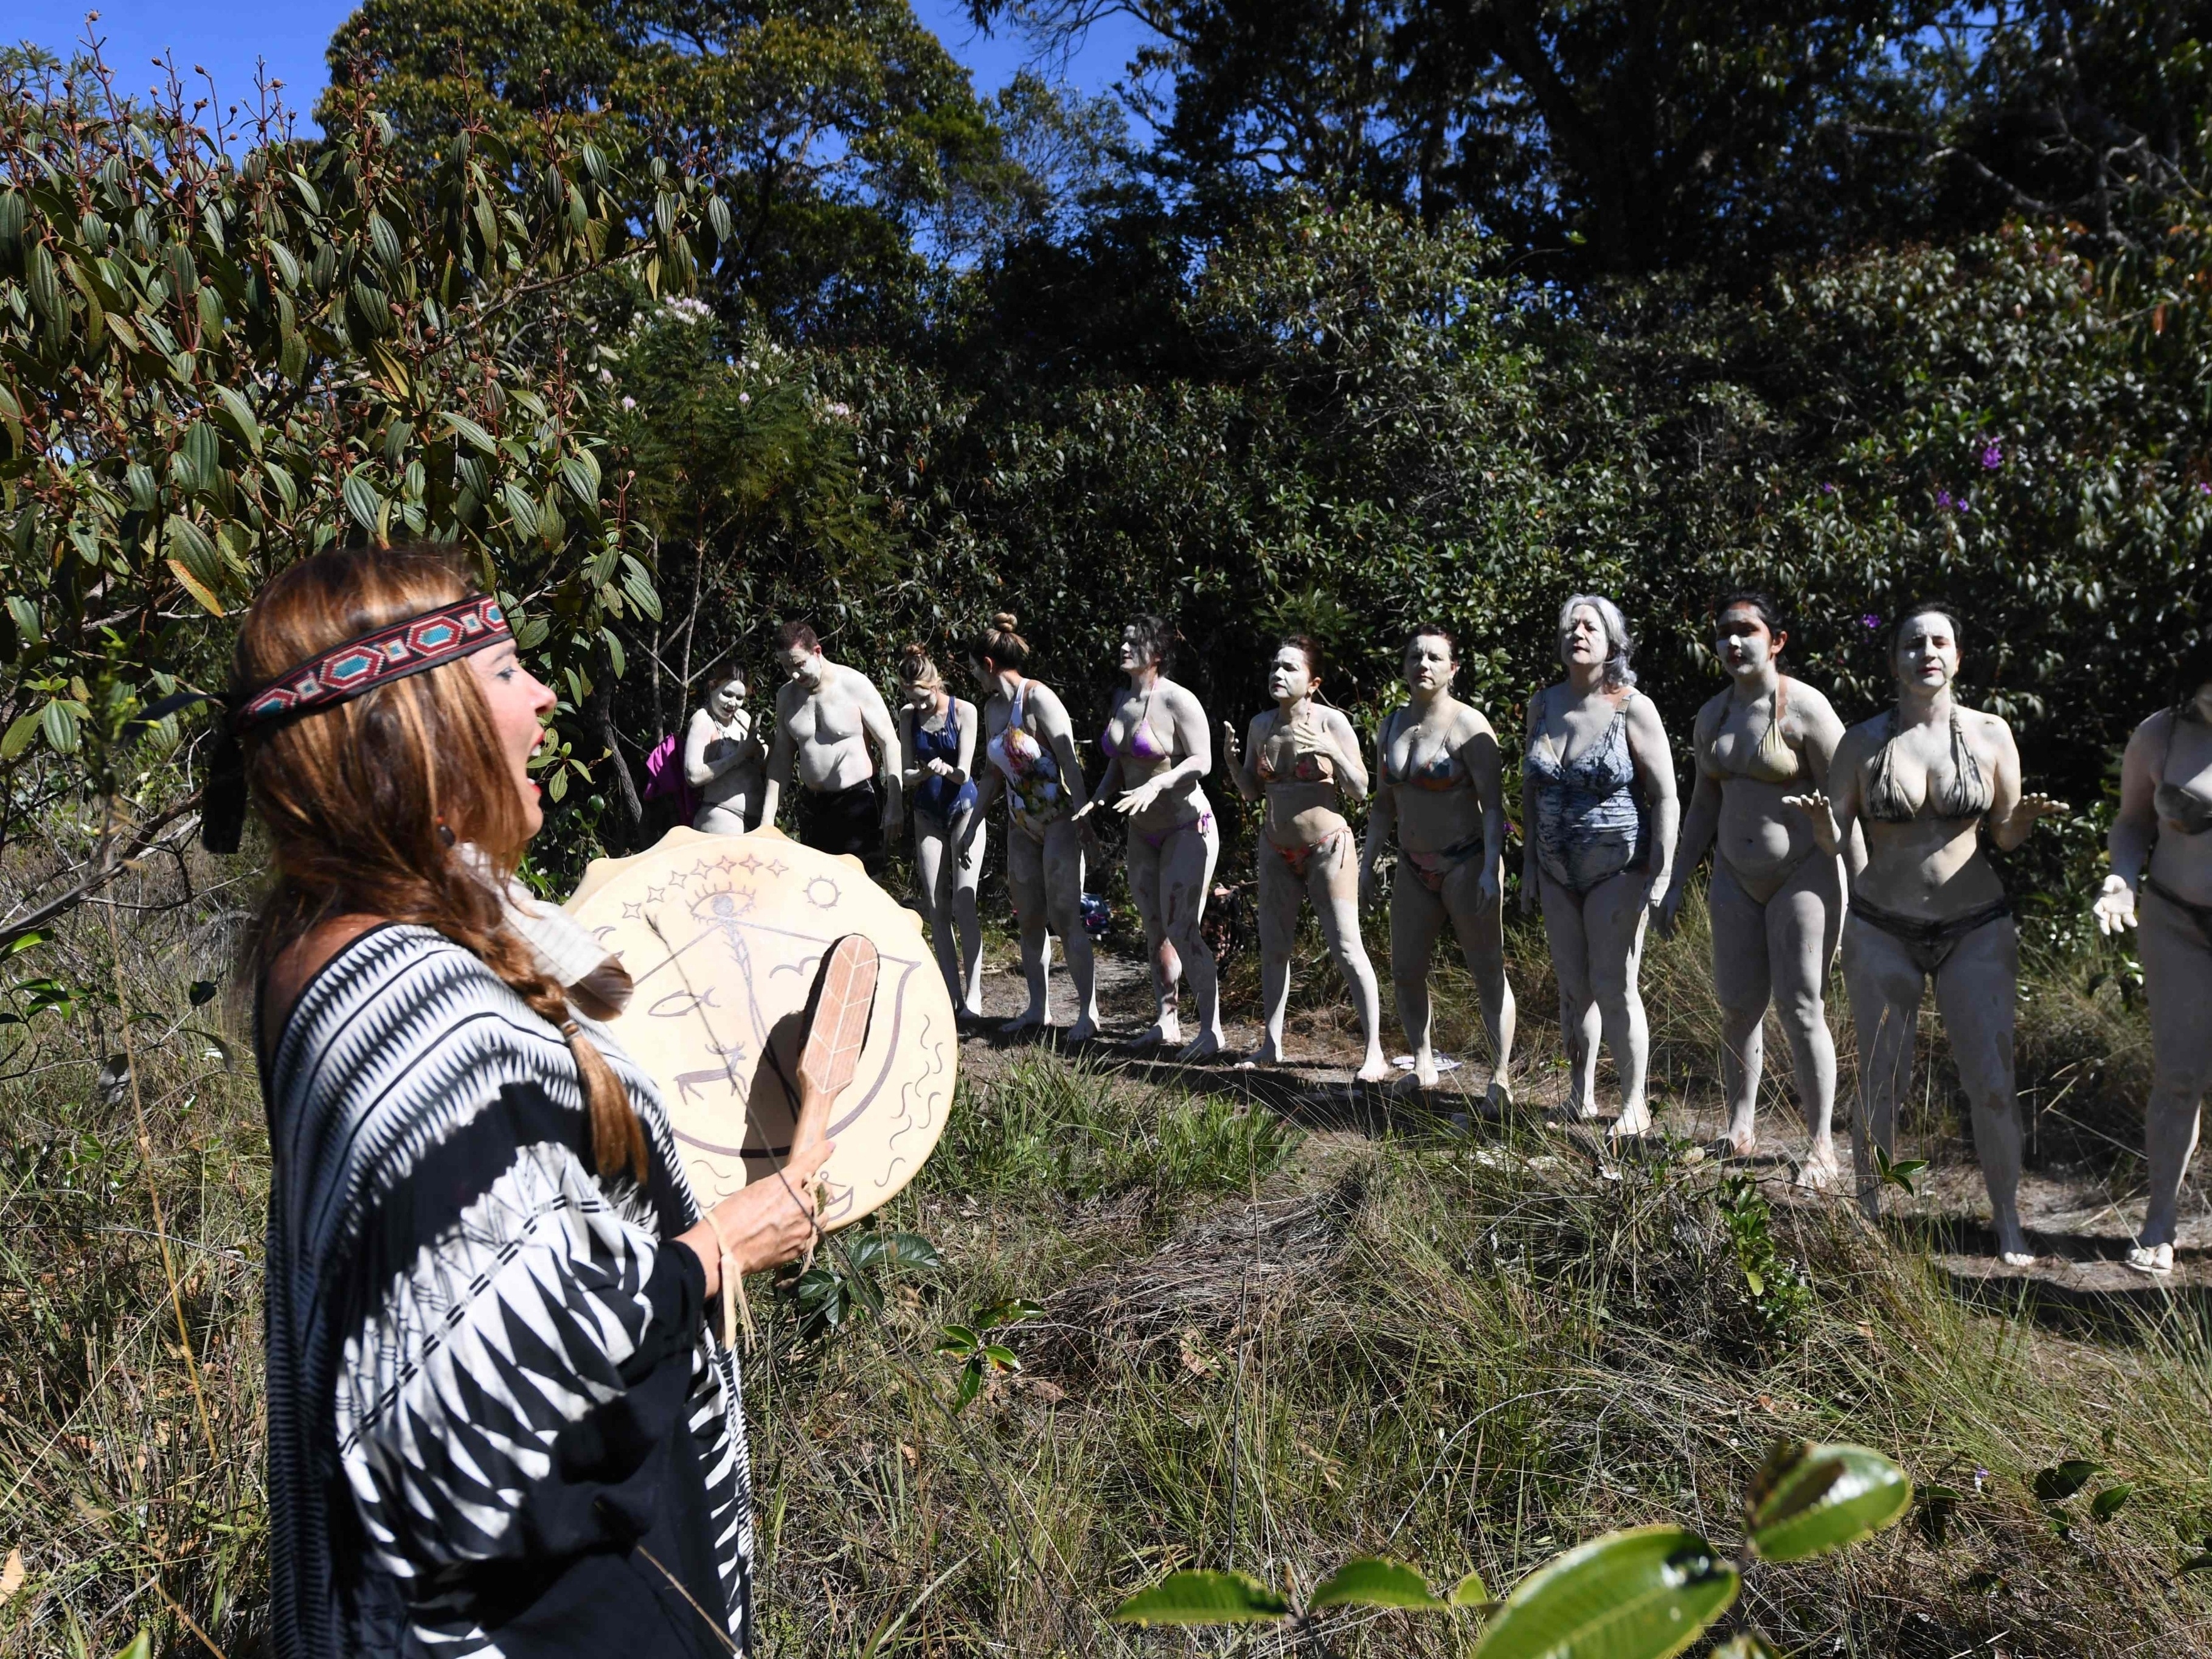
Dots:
(2080, 1227)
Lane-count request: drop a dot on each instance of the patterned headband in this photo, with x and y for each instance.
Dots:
(367, 661)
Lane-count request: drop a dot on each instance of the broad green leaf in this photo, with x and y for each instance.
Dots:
(1371, 1581)
(1471, 1592)
(1203, 1598)
(521, 510)
(202, 594)
(140, 1647)
(58, 721)
(363, 500)
(2106, 1504)
(239, 416)
(2062, 1480)
(1643, 1593)
(19, 733)
(462, 427)
(1825, 1497)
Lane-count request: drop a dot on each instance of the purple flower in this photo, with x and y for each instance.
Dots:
(1827, 488)
(1870, 622)
(2203, 489)
(1944, 499)
(1992, 455)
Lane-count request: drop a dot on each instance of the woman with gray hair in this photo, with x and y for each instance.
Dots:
(1600, 842)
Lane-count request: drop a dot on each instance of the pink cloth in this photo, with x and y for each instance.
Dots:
(664, 776)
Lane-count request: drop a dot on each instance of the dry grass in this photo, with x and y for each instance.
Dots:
(1260, 1346)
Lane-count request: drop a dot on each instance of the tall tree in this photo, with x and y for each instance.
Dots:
(836, 129)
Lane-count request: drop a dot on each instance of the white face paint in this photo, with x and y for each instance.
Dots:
(1583, 642)
(725, 700)
(1744, 645)
(1428, 664)
(1288, 677)
(807, 668)
(1927, 652)
(922, 699)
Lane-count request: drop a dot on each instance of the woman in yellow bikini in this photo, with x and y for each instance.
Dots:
(1303, 759)
(1438, 791)
(1777, 901)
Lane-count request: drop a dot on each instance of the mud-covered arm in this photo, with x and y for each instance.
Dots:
(1058, 734)
(2014, 814)
(1655, 765)
(1351, 782)
(881, 732)
(1382, 815)
(780, 753)
(1485, 769)
(1701, 823)
(1241, 765)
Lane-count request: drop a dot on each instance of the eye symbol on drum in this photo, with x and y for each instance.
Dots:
(725, 906)
(821, 893)
(676, 1004)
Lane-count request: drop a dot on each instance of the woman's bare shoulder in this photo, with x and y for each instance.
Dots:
(304, 958)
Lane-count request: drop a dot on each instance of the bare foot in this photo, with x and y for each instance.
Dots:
(1204, 1047)
(1425, 1070)
(1028, 1020)
(1821, 1169)
(1633, 1120)
(1584, 1112)
(1082, 1030)
(1161, 1033)
(1498, 1097)
(2011, 1243)
(1269, 1053)
(2154, 1259)
(1375, 1070)
(1742, 1140)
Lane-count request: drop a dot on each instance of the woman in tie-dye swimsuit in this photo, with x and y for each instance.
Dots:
(1031, 749)
(1158, 746)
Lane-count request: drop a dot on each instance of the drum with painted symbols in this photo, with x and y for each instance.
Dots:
(723, 936)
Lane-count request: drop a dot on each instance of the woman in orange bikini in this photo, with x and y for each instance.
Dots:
(1920, 781)
(2161, 852)
(1776, 902)
(1305, 759)
(1438, 791)
(1159, 746)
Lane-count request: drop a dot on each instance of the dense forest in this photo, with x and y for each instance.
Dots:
(693, 317)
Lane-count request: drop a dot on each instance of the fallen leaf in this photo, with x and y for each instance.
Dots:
(11, 1576)
(909, 1452)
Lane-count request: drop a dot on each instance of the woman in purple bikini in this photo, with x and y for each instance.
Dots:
(1159, 746)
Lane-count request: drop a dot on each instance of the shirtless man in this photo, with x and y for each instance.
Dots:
(827, 718)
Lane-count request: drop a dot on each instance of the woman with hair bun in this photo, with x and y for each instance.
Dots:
(1031, 748)
(1919, 782)
(1777, 901)
(497, 1419)
(937, 760)
(1599, 796)
(1158, 747)
(1305, 763)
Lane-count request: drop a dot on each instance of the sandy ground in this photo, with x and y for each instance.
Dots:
(2079, 1229)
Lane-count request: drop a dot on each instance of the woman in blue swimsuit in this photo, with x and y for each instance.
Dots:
(1599, 797)
(937, 761)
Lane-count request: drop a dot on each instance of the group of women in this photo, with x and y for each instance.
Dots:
(1868, 841)
(464, 1161)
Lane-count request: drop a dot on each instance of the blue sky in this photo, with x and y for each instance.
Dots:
(228, 37)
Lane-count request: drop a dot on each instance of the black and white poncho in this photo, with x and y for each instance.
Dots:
(497, 1424)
